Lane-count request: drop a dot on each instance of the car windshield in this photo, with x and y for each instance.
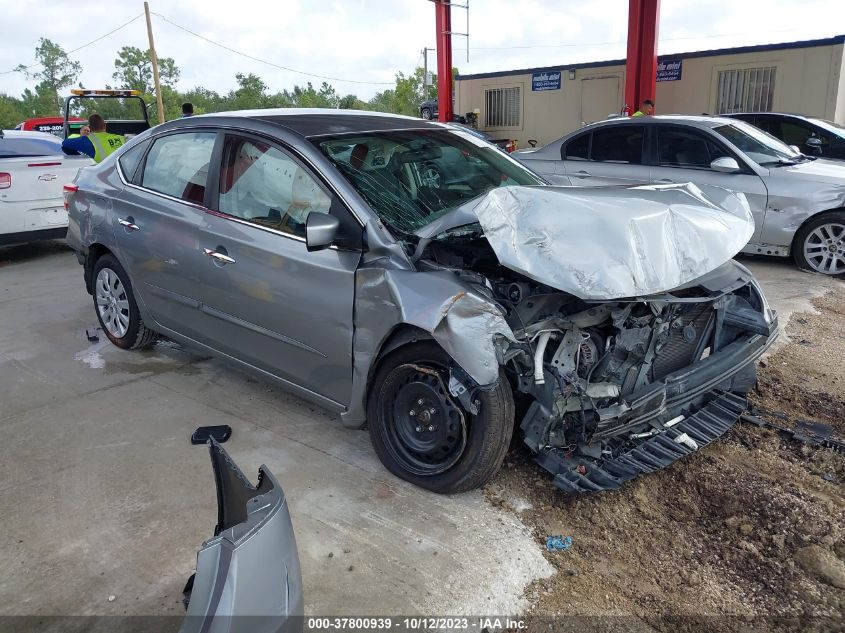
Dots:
(412, 177)
(759, 146)
(831, 126)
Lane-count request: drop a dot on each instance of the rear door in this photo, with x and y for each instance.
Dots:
(264, 298)
(156, 220)
(684, 154)
(615, 157)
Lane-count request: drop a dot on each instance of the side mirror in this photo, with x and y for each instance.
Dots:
(321, 230)
(532, 142)
(795, 149)
(725, 165)
(813, 141)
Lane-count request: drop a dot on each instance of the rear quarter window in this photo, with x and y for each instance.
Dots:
(27, 147)
(130, 159)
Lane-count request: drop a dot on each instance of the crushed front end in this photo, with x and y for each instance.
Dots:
(626, 387)
(615, 388)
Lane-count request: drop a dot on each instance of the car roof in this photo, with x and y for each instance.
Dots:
(696, 120)
(32, 134)
(310, 122)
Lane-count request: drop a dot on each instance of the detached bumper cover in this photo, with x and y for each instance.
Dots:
(248, 578)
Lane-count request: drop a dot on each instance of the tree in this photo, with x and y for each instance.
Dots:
(11, 112)
(134, 70)
(407, 95)
(251, 93)
(57, 71)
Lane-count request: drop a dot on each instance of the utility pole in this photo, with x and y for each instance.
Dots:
(426, 80)
(154, 60)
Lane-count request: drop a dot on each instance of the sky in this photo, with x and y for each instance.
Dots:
(369, 41)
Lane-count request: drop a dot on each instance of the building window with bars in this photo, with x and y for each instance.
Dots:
(746, 90)
(502, 107)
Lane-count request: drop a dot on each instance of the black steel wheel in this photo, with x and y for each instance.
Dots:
(420, 431)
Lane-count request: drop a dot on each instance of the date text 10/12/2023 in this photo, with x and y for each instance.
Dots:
(415, 623)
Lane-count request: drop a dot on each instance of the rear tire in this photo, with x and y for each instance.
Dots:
(819, 244)
(432, 452)
(116, 308)
(426, 114)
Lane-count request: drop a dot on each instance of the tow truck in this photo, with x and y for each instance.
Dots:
(117, 107)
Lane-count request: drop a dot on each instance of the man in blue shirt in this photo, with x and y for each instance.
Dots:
(97, 143)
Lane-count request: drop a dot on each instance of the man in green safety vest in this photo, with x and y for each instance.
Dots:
(647, 108)
(97, 143)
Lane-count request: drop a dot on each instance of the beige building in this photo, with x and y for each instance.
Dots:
(545, 103)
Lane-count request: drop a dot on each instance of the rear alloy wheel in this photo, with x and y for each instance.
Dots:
(116, 308)
(820, 244)
(423, 435)
(426, 113)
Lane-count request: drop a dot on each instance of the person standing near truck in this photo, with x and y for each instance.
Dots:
(647, 108)
(97, 143)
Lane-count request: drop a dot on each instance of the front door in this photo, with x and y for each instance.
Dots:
(684, 155)
(265, 299)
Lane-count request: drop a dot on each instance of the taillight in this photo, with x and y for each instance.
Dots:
(67, 192)
(5, 180)
(510, 147)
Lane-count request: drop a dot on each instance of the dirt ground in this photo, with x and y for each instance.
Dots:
(747, 534)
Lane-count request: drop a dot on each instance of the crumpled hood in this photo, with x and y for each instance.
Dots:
(608, 243)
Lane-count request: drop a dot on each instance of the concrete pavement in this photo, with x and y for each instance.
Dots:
(102, 494)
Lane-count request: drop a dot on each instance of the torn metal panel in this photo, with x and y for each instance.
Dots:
(454, 312)
(643, 240)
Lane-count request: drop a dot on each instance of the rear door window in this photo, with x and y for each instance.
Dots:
(27, 147)
(177, 165)
(618, 144)
(130, 159)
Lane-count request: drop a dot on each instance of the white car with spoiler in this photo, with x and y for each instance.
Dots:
(33, 171)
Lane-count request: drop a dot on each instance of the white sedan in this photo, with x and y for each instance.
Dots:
(33, 171)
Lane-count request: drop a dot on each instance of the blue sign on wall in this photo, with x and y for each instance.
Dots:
(669, 70)
(545, 81)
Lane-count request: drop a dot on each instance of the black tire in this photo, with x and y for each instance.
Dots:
(137, 335)
(835, 246)
(426, 114)
(488, 434)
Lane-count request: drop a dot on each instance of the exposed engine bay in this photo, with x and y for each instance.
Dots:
(614, 388)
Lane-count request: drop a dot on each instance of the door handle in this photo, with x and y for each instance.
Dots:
(583, 174)
(665, 181)
(129, 224)
(220, 257)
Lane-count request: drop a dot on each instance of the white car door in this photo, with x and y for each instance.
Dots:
(684, 154)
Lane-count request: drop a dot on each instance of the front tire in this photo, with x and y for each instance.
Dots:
(116, 308)
(426, 114)
(421, 433)
(819, 244)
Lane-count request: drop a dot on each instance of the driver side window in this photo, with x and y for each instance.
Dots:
(264, 185)
(678, 147)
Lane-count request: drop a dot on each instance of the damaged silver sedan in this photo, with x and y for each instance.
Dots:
(316, 249)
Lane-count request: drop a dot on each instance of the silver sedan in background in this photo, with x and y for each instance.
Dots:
(797, 200)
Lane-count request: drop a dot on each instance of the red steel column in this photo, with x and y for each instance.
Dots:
(443, 11)
(641, 63)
